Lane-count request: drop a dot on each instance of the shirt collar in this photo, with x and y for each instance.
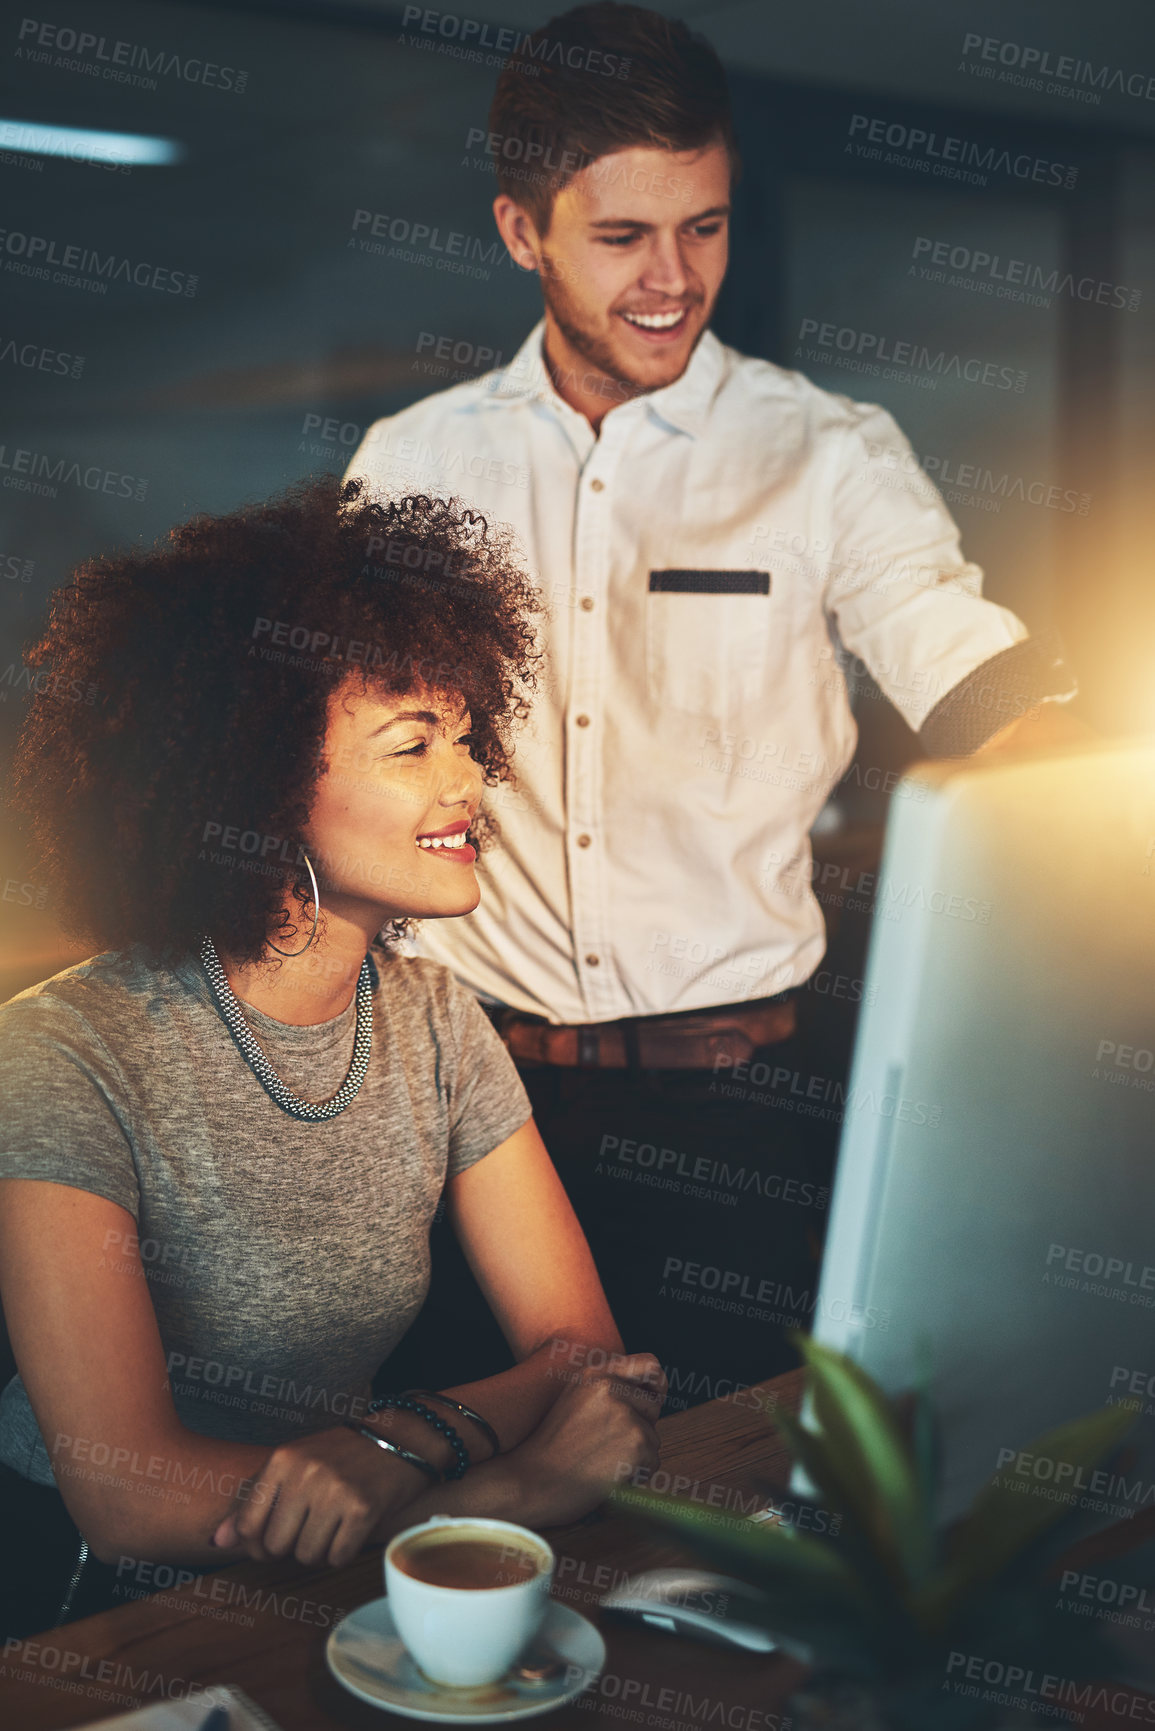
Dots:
(683, 405)
(525, 377)
(686, 403)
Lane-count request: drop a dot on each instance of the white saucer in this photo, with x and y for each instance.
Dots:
(365, 1654)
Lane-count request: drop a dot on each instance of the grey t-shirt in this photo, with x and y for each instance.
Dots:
(285, 1260)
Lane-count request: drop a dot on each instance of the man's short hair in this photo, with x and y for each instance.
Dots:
(596, 80)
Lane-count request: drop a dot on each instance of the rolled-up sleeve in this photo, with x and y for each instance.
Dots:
(902, 596)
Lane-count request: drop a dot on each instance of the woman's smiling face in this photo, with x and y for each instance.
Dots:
(394, 803)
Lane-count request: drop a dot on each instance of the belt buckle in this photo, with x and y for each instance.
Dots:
(588, 1048)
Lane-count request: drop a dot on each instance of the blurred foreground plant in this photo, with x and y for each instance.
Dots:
(894, 1608)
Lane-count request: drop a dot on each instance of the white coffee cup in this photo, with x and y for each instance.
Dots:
(465, 1636)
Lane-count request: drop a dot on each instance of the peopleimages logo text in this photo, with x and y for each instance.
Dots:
(1017, 272)
(84, 261)
(870, 349)
(944, 153)
(41, 472)
(117, 60)
(542, 50)
(1065, 68)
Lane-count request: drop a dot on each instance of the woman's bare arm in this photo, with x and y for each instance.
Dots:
(529, 1255)
(139, 1483)
(84, 1333)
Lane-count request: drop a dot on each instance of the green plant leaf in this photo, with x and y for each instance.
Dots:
(856, 1545)
(813, 1599)
(810, 1452)
(877, 1476)
(1007, 1516)
(761, 1545)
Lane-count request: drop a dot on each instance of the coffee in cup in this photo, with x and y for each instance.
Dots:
(467, 1557)
(467, 1595)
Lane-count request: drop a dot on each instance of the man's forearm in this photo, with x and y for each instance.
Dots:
(1050, 726)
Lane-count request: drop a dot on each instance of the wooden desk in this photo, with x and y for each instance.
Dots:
(263, 1626)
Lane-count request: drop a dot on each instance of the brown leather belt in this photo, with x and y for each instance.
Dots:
(694, 1040)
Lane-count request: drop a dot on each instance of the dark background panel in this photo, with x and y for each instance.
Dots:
(293, 337)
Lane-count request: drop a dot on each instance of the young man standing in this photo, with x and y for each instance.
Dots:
(705, 527)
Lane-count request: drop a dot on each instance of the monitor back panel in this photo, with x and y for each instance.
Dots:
(993, 1216)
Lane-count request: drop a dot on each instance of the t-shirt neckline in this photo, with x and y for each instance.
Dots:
(315, 1036)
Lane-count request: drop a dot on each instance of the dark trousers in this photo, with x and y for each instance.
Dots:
(703, 1197)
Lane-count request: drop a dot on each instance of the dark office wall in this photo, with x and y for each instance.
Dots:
(260, 337)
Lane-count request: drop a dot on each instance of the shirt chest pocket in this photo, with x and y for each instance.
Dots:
(708, 640)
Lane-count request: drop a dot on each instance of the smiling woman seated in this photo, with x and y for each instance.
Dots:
(225, 1138)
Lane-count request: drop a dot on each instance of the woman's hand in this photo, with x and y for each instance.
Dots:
(596, 1434)
(317, 1499)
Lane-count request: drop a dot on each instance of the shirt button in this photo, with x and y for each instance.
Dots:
(581, 720)
(593, 961)
(596, 486)
(587, 603)
(584, 840)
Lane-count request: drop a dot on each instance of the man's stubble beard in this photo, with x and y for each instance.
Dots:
(596, 351)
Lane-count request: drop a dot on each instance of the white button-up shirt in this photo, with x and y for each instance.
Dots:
(707, 560)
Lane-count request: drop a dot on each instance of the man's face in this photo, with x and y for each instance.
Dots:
(633, 262)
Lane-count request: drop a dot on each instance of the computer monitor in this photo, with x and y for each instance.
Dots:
(993, 1211)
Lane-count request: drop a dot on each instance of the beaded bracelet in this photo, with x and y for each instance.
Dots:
(468, 1412)
(392, 1448)
(405, 1403)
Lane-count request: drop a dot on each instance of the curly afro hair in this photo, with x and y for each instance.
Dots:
(187, 685)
